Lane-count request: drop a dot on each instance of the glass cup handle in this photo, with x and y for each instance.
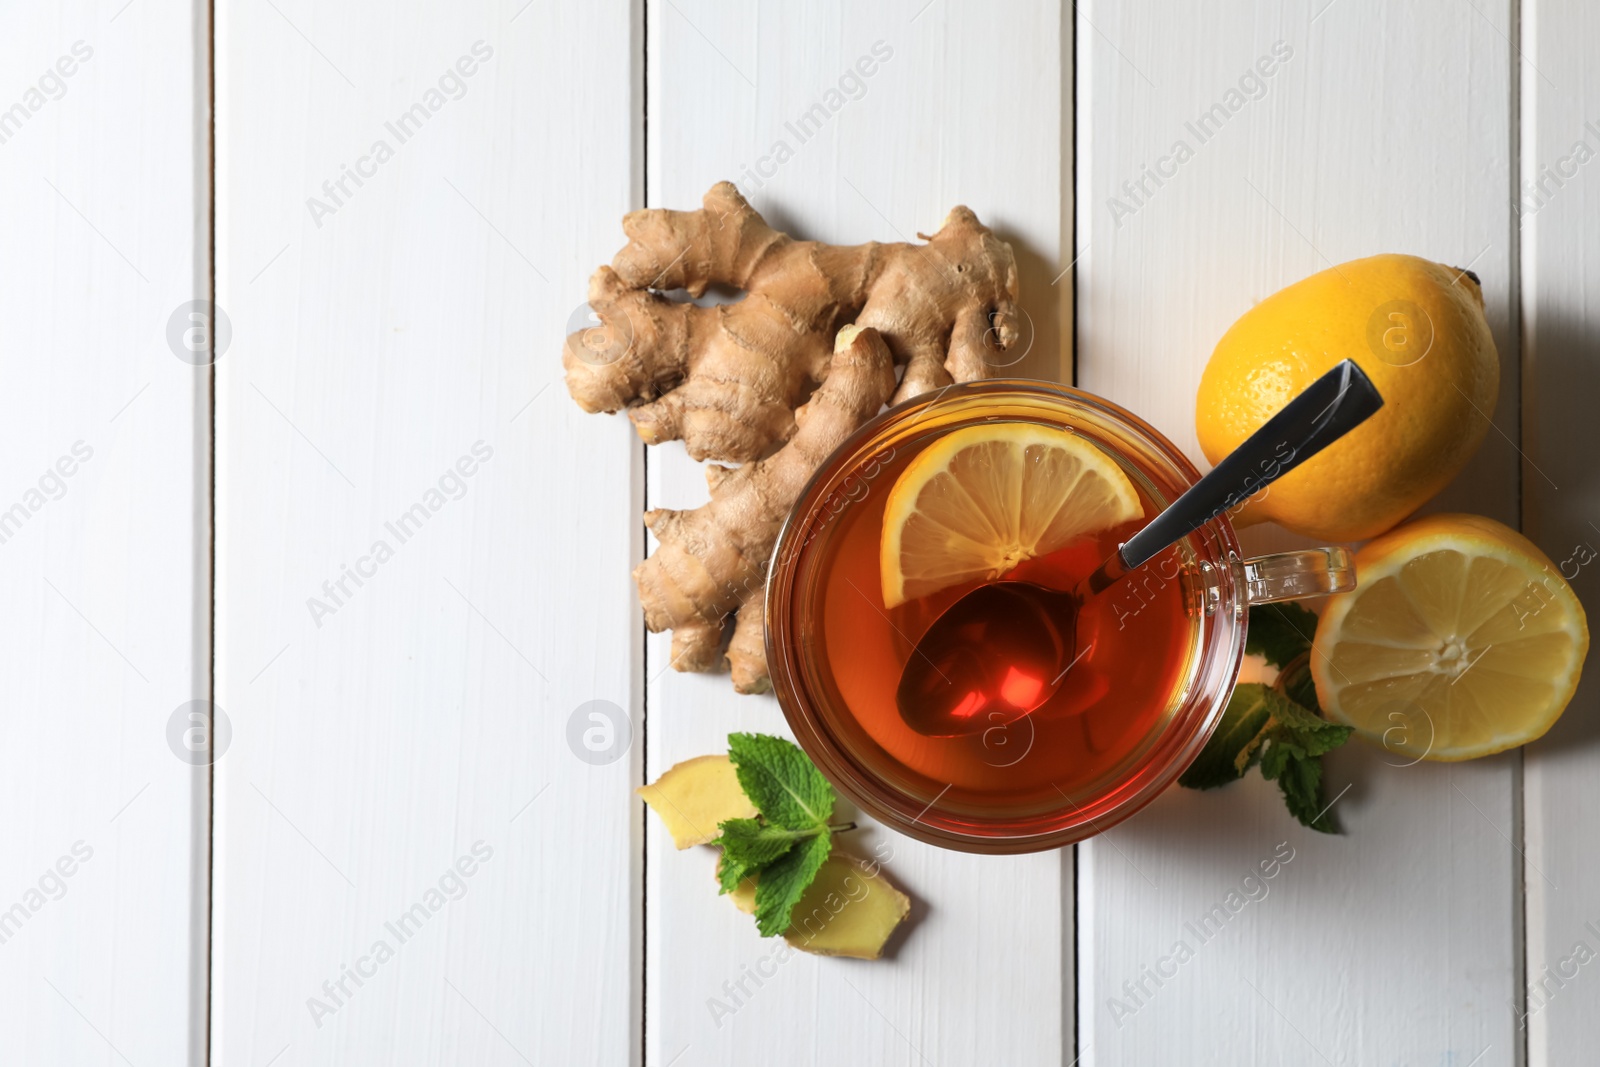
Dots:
(1294, 575)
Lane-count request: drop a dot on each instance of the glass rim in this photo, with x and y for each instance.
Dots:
(1217, 662)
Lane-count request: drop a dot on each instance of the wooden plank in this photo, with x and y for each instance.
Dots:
(103, 539)
(1379, 128)
(393, 405)
(1560, 231)
(968, 108)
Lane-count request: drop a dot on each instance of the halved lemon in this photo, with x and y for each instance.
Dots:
(1461, 639)
(985, 498)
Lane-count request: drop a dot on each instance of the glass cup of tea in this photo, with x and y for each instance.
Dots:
(1159, 651)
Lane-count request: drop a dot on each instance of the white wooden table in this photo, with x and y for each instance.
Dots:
(395, 342)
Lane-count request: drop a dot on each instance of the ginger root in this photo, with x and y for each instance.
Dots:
(726, 380)
(849, 910)
(732, 381)
(712, 560)
(694, 796)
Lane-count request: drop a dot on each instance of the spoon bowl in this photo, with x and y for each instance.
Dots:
(990, 663)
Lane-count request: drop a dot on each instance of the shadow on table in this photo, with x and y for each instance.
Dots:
(1049, 355)
(1561, 481)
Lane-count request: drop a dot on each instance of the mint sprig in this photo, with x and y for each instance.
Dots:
(786, 844)
(1279, 729)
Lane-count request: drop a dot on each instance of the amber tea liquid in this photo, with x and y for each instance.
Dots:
(1137, 641)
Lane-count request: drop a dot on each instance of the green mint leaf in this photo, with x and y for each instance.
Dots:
(1310, 733)
(785, 880)
(1230, 751)
(781, 781)
(1280, 632)
(1296, 739)
(1262, 725)
(730, 873)
(749, 845)
(1300, 779)
(1277, 755)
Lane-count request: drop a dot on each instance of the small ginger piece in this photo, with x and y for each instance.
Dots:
(694, 796)
(849, 910)
(726, 380)
(712, 561)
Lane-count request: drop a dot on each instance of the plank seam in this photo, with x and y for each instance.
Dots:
(1514, 308)
(644, 546)
(207, 129)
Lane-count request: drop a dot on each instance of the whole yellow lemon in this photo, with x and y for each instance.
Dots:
(1417, 328)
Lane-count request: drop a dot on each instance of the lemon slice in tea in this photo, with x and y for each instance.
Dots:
(983, 499)
(1461, 639)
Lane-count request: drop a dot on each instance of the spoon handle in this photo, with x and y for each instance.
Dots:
(1329, 408)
